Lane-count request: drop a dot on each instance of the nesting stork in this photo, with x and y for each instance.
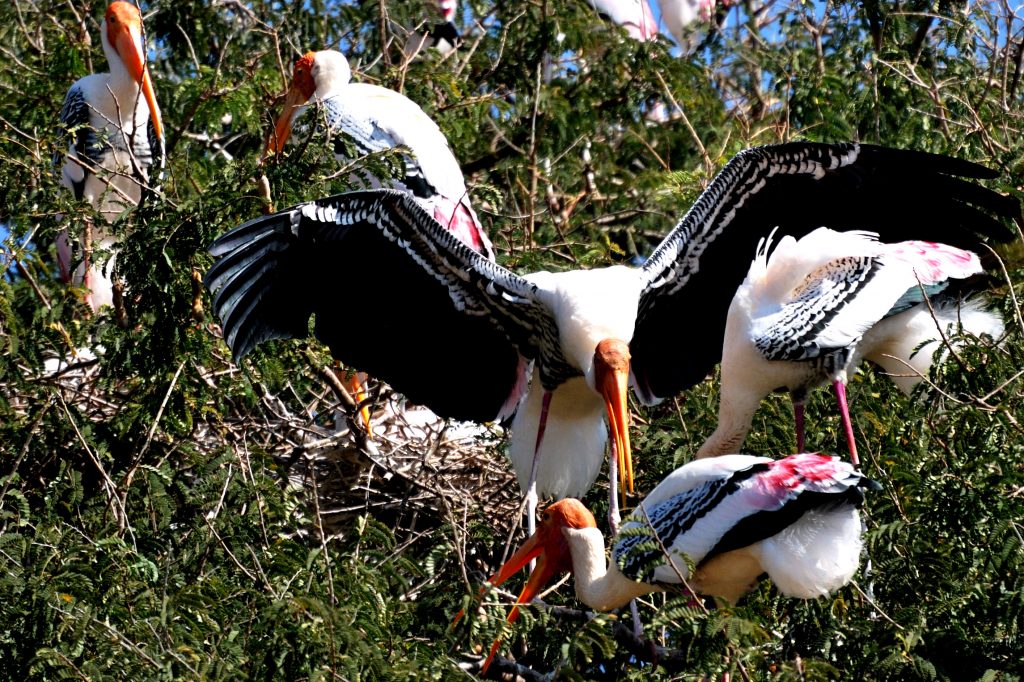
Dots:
(115, 142)
(735, 518)
(376, 119)
(460, 317)
(812, 311)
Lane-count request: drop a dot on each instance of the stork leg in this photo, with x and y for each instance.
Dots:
(530, 500)
(798, 417)
(844, 412)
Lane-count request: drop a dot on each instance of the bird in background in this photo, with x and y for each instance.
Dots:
(457, 316)
(115, 143)
(443, 37)
(683, 17)
(376, 119)
(635, 16)
(812, 310)
(735, 518)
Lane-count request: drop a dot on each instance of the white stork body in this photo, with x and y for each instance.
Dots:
(633, 15)
(808, 315)
(377, 119)
(574, 326)
(588, 307)
(116, 138)
(734, 517)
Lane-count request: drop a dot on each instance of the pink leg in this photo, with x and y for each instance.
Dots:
(531, 486)
(798, 416)
(844, 413)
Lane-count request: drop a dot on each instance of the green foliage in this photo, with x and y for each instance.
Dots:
(156, 518)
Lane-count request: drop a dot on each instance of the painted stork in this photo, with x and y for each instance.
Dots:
(818, 306)
(376, 119)
(115, 140)
(735, 517)
(460, 317)
(633, 15)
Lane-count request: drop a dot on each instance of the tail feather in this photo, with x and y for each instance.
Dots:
(905, 345)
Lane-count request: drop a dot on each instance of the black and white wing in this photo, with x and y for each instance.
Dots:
(715, 505)
(81, 141)
(796, 188)
(376, 119)
(448, 322)
(818, 318)
(157, 153)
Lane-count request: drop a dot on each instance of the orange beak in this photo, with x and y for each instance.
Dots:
(611, 378)
(534, 548)
(294, 99)
(125, 35)
(551, 550)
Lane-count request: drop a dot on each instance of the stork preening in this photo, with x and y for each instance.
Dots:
(735, 518)
(377, 119)
(462, 330)
(810, 312)
(115, 142)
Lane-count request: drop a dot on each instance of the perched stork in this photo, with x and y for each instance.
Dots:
(116, 139)
(376, 119)
(459, 316)
(818, 306)
(735, 517)
(633, 15)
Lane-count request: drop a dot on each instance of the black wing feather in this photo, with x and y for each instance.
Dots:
(78, 133)
(447, 317)
(796, 187)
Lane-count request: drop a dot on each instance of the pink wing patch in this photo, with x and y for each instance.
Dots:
(789, 476)
(448, 8)
(936, 262)
(461, 222)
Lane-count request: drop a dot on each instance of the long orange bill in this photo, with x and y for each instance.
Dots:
(611, 365)
(525, 554)
(128, 43)
(533, 548)
(283, 129)
(356, 385)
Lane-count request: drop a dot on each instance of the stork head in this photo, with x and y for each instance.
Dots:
(550, 548)
(611, 380)
(121, 33)
(315, 73)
